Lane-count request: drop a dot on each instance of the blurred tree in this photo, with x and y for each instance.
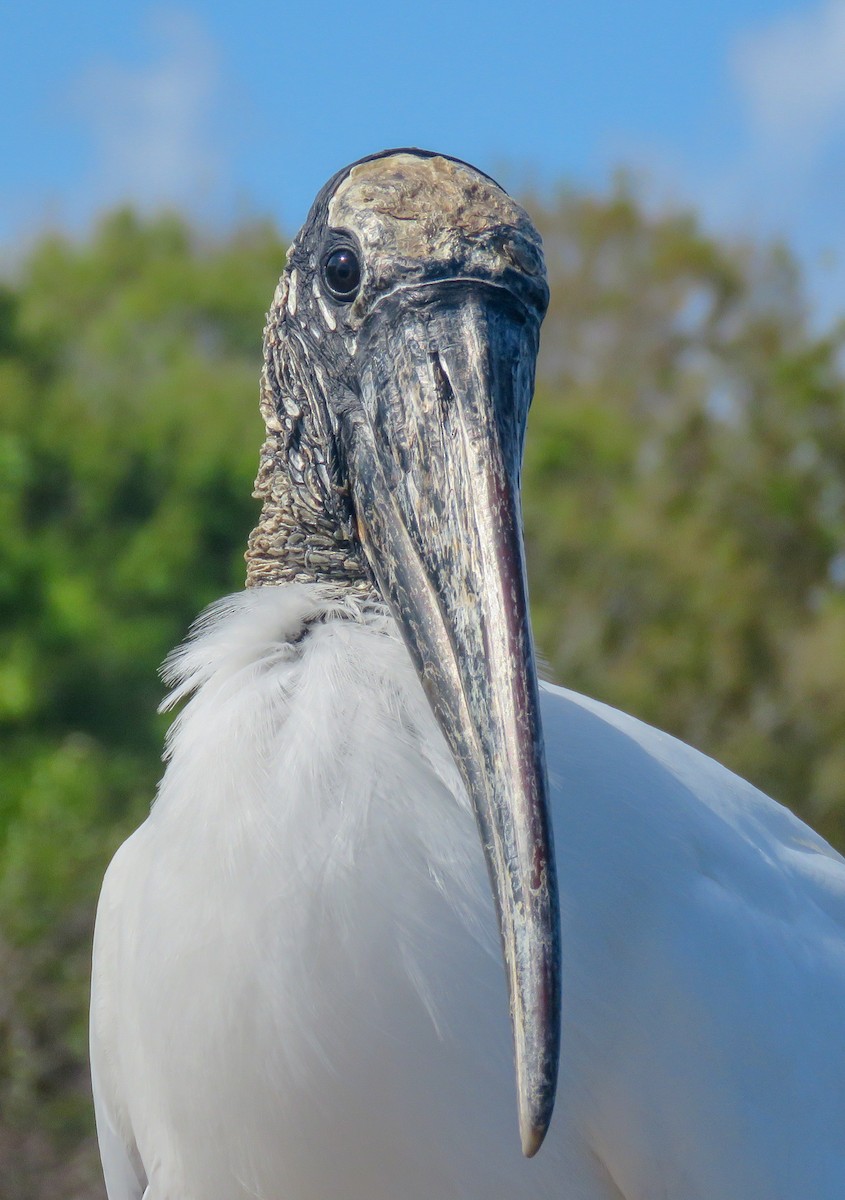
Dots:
(685, 494)
(685, 513)
(128, 442)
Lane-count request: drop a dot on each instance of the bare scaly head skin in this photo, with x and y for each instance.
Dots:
(417, 217)
(412, 218)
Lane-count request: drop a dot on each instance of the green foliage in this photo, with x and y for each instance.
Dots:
(128, 375)
(685, 515)
(685, 495)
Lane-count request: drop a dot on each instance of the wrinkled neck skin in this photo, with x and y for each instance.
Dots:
(306, 531)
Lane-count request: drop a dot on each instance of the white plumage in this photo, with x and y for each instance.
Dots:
(298, 992)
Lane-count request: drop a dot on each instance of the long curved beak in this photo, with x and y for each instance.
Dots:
(434, 461)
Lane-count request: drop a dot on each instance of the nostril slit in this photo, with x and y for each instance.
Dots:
(445, 394)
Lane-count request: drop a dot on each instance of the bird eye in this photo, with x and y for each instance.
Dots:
(342, 273)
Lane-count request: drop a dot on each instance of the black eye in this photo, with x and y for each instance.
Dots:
(342, 273)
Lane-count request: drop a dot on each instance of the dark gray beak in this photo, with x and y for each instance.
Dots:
(434, 458)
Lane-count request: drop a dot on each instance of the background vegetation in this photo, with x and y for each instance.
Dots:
(685, 512)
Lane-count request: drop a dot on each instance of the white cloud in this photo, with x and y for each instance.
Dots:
(152, 126)
(791, 74)
(781, 167)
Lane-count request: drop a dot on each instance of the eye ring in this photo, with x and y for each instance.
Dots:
(342, 273)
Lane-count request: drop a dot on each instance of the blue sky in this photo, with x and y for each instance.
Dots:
(225, 109)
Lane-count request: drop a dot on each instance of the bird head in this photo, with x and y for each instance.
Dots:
(399, 369)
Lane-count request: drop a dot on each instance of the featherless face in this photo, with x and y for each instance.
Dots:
(383, 239)
(398, 372)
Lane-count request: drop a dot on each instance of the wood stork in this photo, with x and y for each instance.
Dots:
(297, 982)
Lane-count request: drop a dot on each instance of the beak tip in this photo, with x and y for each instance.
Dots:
(532, 1137)
(535, 1115)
